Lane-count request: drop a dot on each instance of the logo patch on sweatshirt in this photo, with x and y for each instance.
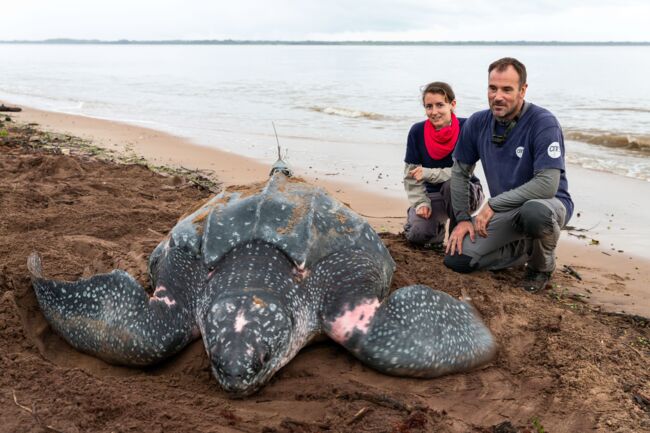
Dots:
(519, 151)
(554, 150)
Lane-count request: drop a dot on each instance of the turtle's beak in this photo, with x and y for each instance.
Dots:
(239, 379)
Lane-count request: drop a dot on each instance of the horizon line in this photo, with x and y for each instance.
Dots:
(72, 41)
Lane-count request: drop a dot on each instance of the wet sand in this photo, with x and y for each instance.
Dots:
(562, 364)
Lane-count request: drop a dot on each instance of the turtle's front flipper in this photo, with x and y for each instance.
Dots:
(423, 332)
(416, 331)
(111, 316)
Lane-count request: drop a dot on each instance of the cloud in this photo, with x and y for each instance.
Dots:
(326, 20)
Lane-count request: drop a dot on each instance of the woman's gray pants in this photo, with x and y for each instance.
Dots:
(418, 230)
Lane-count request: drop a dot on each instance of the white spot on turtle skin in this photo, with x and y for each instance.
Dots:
(240, 321)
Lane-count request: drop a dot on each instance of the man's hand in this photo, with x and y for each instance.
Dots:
(423, 212)
(455, 241)
(416, 174)
(483, 219)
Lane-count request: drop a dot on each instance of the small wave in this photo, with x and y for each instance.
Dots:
(348, 112)
(36, 99)
(76, 106)
(622, 168)
(634, 142)
(629, 109)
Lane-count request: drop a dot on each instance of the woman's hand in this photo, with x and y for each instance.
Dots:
(416, 173)
(423, 212)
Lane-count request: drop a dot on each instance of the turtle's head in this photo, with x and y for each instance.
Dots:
(247, 338)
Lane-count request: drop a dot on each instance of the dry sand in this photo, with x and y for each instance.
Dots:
(563, 364)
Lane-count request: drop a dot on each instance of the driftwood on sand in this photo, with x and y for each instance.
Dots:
(12, 109)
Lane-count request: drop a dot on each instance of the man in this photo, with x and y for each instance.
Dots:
(521, 148)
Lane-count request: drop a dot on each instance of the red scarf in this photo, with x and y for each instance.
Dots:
(440, 143)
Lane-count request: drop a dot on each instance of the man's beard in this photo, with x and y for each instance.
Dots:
(506, 117)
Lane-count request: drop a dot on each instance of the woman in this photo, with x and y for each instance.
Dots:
(427, 172)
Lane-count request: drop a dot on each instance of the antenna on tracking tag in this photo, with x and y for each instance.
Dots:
(277, 140)
(280, 165)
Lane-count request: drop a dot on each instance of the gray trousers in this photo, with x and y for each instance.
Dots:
(418, 230)
(527, 234)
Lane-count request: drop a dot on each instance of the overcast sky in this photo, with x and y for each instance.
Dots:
(409, 20)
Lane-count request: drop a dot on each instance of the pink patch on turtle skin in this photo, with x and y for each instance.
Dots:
(300, 273)
(240, 321)
(166, 299)
(358, 318)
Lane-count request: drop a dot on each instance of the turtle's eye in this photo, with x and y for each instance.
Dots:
(266, 357)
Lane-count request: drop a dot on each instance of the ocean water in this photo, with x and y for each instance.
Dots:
(352, 105)
(342, 111)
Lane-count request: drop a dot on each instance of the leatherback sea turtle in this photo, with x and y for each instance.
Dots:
(258, 277)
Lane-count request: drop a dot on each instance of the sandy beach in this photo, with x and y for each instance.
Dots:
(602, 267)
(571, 359)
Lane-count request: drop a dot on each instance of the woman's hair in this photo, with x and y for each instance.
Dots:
(440, 88)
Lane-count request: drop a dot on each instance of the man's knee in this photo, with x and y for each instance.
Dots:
(535, 219)
(460, 263)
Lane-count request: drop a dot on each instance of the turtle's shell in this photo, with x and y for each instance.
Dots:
(299, 219)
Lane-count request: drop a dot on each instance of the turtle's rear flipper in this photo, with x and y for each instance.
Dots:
(111, 316)
(416, 331)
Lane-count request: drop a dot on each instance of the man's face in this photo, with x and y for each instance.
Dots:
(504, 94)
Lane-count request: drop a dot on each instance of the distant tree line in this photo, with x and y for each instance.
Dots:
(281, 42)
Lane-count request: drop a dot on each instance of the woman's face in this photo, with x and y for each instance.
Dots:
(438, 110)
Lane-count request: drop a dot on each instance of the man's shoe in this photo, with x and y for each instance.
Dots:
(434, 246)
(535, 281)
